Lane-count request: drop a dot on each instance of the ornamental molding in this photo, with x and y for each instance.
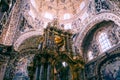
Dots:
(11, 25)
(91, 21)
(25, 36)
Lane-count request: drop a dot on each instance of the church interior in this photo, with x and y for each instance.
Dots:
(59, 39)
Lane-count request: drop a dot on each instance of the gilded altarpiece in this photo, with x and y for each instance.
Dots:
(55, 59)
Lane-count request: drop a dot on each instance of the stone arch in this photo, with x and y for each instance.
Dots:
(25, 36)
(89, 24)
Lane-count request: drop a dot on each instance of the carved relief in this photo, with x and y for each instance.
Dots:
(95, 49)
(12, 23)
(21, 70)
(90, 70)
(24, 26)
(117, 31)
(91, 8)
(111, 69)
(1, 29)
(116, 2)
(112, 36)
(21, 64)
(101, 5)
(76, 23)
(25, 6)
(38, 23)
(92, 21)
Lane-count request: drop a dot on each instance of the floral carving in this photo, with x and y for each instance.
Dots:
(112, 37)
(95, 49)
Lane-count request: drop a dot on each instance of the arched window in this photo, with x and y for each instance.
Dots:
(48, 15)
(66, 16)
(104, 41)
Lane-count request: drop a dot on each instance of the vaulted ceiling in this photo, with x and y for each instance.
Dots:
(61, 9)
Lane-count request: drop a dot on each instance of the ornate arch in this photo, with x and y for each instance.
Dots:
(89, 24)
(25, 36)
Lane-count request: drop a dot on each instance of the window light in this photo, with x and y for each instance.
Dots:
(66, 16)
(82, 5)
(31, 13)
(64, 64)
(104, 42)
(90, 56)
(33, 3)
(45, 25)
(49, 16)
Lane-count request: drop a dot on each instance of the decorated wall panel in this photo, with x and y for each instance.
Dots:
(110, 70)
(106, 67)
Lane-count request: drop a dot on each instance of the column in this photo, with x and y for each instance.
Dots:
(48, 72)
(2, 70)
(45, 72)
(41, 72)
(36, 73)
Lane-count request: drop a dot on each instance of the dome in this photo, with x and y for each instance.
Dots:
(61, 9)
